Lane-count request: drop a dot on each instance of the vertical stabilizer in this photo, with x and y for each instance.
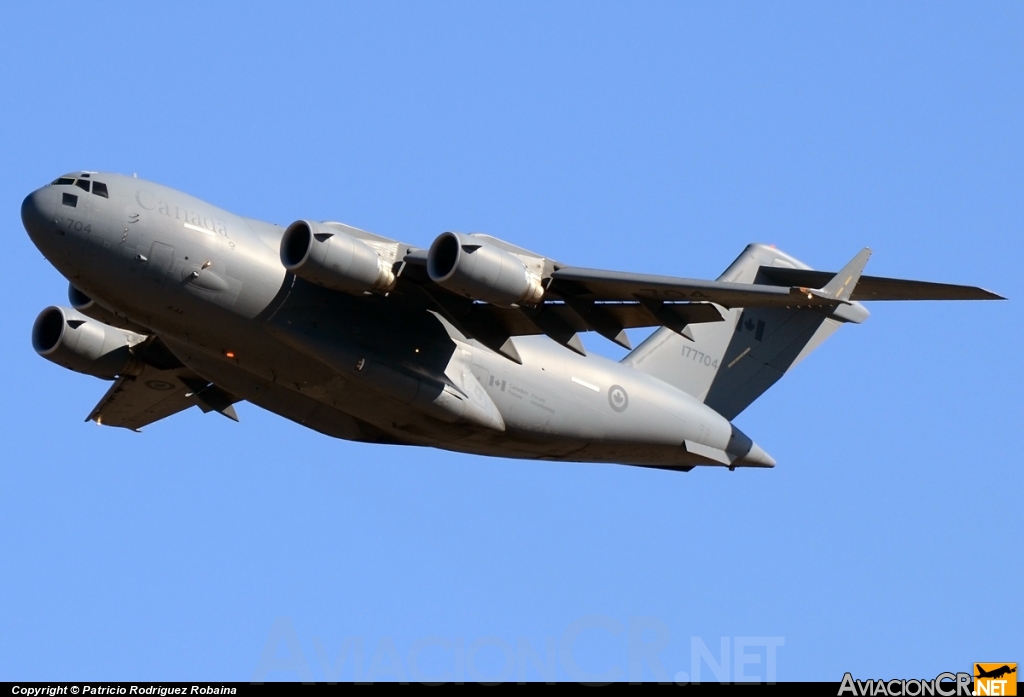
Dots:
(729, 364)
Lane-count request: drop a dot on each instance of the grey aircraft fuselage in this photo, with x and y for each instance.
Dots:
(212, 286)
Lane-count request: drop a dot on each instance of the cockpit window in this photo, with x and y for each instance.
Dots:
(85, 175)
(82, 184)
(100, 189)
(63, 180)
(69, 200)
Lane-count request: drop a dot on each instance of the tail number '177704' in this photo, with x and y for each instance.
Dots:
(699, 357)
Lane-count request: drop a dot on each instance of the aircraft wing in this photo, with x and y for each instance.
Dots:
(879, 288)
(608, 302)
(134, 401)
(596, 284)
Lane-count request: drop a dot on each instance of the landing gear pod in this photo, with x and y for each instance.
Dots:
(332, 259)
(85, 345)
(468, 266)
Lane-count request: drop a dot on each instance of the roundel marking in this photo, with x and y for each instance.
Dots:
(161, 385)
(617, 398)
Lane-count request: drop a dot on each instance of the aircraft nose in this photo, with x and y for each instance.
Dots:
(37, 212)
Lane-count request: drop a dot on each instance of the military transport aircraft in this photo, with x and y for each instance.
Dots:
(471, 345)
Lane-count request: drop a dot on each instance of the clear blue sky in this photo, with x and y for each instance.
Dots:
(653, 137)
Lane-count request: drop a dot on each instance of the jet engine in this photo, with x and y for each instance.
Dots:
(334, 260)
(85, 345)
(469, 266)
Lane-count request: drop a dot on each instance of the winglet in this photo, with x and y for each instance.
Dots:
(842, 284)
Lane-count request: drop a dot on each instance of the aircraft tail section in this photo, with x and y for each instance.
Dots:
(729, 364)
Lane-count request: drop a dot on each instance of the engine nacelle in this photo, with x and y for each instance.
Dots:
(470, 267)
(332, 259)
(85, 345)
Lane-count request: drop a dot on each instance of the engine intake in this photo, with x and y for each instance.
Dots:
(82, 302)
(78, 299)
(84, 345)
(334, 260)
(470, 267)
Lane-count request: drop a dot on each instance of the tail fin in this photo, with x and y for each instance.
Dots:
(730, 364)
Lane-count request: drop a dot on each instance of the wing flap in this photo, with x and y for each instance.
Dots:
(572, 307)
